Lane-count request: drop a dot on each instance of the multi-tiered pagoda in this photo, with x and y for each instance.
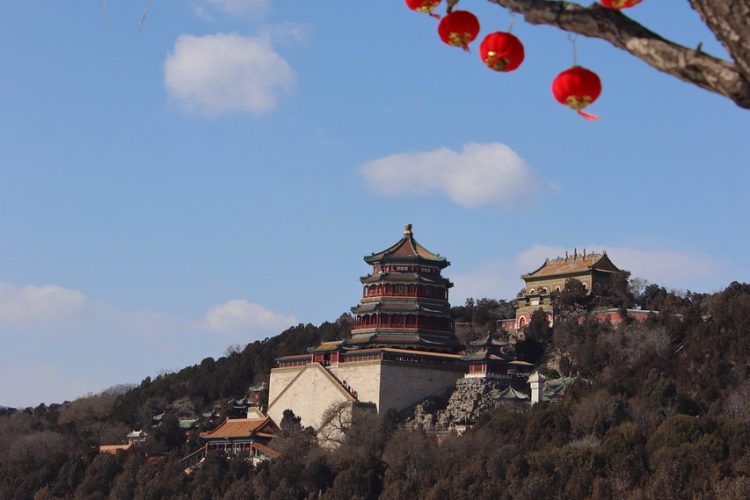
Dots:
(405, 300)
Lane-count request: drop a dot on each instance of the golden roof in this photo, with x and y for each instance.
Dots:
(114, 448)
(238, 427)
(576, 264)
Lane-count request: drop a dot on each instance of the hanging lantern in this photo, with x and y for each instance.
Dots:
(501, 51)
(424, 6)
(620, 4)
(459, 28)
(577, 87)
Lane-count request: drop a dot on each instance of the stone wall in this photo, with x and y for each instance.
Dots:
(471, 398)
(308, 394)
(402, 385)
(311, 389)
(363, 377)
(280, 378)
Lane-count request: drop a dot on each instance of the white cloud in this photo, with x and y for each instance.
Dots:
(481, 174)
(501, 277)
(241, 316)
(223, 73)
(39, 306)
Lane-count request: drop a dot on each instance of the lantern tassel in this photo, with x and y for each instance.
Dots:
(588, 116)
(432, 14)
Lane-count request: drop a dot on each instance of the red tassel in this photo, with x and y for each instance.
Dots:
(588, 116)
(436, 16)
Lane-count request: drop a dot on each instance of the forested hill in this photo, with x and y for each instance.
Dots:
(662, 411)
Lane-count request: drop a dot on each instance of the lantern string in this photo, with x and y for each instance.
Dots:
(512, 22)
(572, 39)
(588, 116)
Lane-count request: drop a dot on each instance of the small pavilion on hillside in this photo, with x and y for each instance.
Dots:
(235, 435)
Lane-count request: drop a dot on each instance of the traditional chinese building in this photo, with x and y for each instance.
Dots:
(592, 270)
(402, 347)
(251, 435)
(489, 358)
(405, 300)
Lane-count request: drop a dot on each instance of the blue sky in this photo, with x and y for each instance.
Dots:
(219, 175)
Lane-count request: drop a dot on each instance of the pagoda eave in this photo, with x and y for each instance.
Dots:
(407, 259)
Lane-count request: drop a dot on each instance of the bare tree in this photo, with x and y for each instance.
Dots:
(336, 422)
(729, 20)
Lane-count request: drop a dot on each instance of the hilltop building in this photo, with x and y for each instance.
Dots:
(592, 270)
(402, 347)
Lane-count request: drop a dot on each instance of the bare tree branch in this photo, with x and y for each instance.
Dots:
(729, 79)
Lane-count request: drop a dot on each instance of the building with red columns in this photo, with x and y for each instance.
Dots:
(402, 349)
(405, 300)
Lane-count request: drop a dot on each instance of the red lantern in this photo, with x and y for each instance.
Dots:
(577, 87)
(620, 4)
(459, 28)
(424, 6)
(501, 51)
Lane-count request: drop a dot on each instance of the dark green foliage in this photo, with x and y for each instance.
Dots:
(663, 413)
(483, 314)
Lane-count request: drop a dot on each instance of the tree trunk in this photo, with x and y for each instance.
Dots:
(729, 20)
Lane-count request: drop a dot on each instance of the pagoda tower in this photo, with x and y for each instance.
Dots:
(405, 300)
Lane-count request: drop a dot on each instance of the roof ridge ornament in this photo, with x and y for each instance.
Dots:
(407, 229)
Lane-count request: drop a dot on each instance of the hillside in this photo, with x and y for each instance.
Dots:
(663, 413)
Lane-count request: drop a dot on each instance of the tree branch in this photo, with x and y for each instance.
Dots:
(687, 64)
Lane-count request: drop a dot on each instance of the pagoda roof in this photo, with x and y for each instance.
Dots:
(326, 346)
(511, 393)
(557, 387)
(487, 340)
(417, 340)
(521, 363)
(187, 423)
(404, 278)
(241, 428)
(294, 357)
(400, 307)
(484, 356)
(407, 248)
(576, 264)
(393, 350)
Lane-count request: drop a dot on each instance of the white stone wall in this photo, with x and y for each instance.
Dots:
(363, 377)
(280, 378)
(308, 394)
(310, 390)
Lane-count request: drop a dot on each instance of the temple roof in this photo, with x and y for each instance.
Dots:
(241, 428)
(266, 450)
(406, 306)
(405, 278)
(487, 340)
(485, 356)
(417, 340)
(557, 387)
(187, 423)
(114, 448)
(511, 393)
(443, 355)
(407, 248)
(575, 264)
